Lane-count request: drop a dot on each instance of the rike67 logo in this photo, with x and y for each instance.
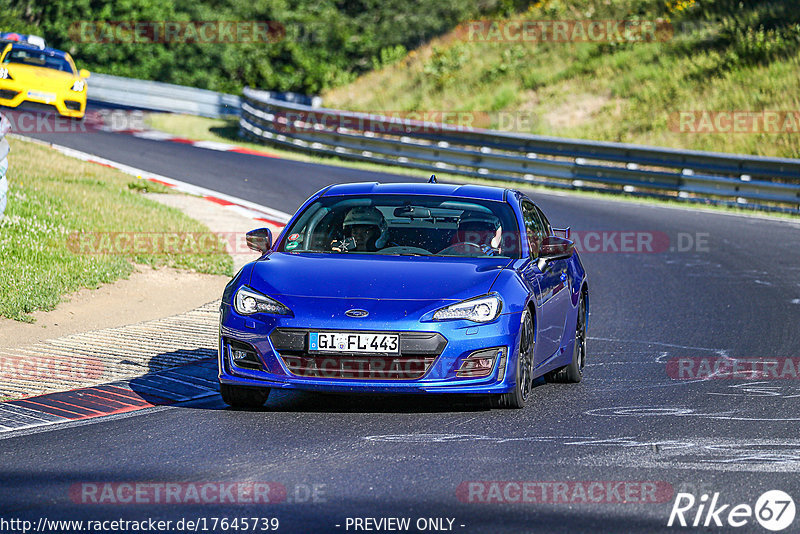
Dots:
(774, 510)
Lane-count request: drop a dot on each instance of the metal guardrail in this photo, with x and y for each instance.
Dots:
(772, 183)
(298, 122)
(158, 96)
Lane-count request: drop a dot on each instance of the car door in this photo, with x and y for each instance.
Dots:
(552, 297)
(563, 289)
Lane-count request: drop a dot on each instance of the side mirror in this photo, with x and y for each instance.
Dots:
(83, 73)
(556, 248)
(259, 240)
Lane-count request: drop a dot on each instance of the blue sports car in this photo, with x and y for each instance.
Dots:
(406, 288)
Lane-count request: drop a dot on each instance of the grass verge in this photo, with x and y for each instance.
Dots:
(51, 197)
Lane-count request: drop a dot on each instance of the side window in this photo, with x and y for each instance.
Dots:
(548, 230)
(533, 227)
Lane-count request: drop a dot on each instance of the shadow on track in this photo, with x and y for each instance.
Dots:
(195, 386)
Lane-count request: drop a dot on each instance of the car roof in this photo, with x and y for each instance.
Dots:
(49, 51)
(14, 37)
(484, 192)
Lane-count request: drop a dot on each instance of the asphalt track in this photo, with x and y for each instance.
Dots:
(737, 295)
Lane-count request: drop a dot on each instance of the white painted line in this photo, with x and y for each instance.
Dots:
(214, 145)
(153, 134)
(257, 210)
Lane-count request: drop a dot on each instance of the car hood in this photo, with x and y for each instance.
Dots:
(375, 277)
(33, 74)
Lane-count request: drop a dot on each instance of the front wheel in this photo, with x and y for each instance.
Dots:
(523, 385)
(242, 396)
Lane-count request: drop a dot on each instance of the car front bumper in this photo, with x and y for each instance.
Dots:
(71, 104)
(461, 339)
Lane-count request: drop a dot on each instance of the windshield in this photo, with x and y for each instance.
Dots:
(37, 59)
(406, 225)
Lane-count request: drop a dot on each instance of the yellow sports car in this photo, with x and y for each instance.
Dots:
(42, 77)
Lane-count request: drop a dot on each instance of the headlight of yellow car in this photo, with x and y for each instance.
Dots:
(78, 86)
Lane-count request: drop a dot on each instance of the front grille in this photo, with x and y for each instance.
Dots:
(39, 107)
(8, 94)
(418, 351)
(72, 105)
(359, 367)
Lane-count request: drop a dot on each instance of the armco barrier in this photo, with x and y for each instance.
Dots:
(282, 119)
(157, 96)
(772, 183)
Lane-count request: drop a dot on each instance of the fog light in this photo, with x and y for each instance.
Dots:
(243, 355)
(480, 363)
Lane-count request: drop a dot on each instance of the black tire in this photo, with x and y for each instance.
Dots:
(517, 397)
(573, 373)
(243, 397)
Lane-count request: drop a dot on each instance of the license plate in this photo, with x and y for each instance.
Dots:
(47, 97)
(353, 342)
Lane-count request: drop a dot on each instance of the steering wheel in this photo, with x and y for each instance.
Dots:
(464, 248)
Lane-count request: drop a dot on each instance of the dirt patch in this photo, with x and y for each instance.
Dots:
(577, 110)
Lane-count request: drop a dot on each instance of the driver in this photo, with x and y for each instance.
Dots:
(482, 229)
(365, 230)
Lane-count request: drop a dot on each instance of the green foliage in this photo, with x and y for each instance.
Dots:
(145, 186)
(389, 56)
(445, 63)
(324, 43)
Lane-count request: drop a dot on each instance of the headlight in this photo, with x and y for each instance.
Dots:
(248, 301)
(79, 86)
(480, 309)
(4, 74)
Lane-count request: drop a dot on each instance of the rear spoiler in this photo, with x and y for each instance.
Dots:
(562, 232)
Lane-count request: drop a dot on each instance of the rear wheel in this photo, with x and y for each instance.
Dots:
(517, 397)
(573, 373)
(242, 396)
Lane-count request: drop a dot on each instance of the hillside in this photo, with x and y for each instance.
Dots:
(721, 56)
(307, 45)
